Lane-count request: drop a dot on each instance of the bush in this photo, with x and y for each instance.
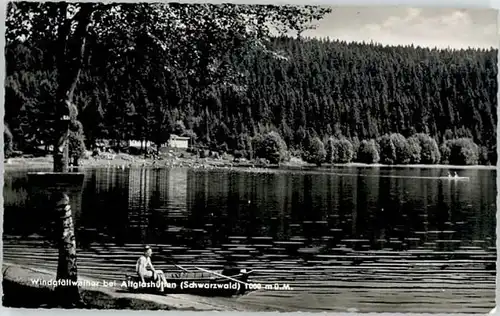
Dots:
(76, 140)
(429, 150)
(461, 151)
(345, 151)
(387, 150)
(316, 152)
(339, 150)
(367, 152)
(271, 147)
(403, 154)
(256, 140)
(395, 149)
(355, 147)
(484, 158)
(415, 151)
(331, 150)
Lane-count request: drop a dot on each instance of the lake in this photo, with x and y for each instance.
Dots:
(373, 239)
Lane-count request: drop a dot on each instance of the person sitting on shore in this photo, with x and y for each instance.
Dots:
(456, 174)
(145, 269)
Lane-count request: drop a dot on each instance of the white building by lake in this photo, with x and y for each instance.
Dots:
(137, 144)
(178, 142)
(174, 141)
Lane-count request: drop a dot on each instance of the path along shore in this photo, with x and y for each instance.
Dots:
(29, 287)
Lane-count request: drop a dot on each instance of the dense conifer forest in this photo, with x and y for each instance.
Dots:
(321, 100)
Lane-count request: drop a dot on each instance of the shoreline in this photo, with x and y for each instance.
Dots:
(416, 166)
(212, 163)
(17, 283)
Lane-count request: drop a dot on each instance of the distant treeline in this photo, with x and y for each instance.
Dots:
(389, 149)
(326, 101)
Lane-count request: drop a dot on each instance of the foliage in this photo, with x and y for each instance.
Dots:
(225, 78)
(395, 149)
(76, 142)
(403, 154)
(331, 150)
(483, 156)
(430, 152)
(147, 54)
(199, 47)
(271, 147)
(367, 152)
(355, 147)
(445, 151)
(339, 150)
(315, 152)
(387, 150)
(414, 150)
(461, 151)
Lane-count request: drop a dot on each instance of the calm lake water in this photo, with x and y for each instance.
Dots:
(368, 238)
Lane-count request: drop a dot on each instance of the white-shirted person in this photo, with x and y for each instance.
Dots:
(145, 268)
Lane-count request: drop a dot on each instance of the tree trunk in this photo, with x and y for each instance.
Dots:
(67, 294)
(70, 48)
(61, 144)
(70, 56)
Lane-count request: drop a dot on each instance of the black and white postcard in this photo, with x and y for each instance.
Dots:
(231, 157)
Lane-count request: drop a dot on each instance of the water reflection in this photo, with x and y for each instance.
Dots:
(367, 209)
(375, 238)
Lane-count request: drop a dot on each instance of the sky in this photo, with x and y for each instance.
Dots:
(429, 27)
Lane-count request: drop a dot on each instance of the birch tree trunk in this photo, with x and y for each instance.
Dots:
(68, 294)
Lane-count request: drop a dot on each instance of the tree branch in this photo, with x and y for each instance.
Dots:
(74, 57)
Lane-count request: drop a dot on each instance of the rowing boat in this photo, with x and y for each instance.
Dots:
(209, 283)
(455, 178)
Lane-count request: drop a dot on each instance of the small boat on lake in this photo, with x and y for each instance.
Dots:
(202, 282)
(455, 178)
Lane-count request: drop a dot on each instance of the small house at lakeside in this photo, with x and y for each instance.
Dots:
(175, 141)
(139, 144)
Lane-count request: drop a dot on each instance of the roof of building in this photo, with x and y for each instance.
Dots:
(176, 137)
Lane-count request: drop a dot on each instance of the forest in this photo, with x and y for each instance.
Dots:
(321, 100)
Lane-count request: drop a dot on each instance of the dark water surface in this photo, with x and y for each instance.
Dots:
(375, 239)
